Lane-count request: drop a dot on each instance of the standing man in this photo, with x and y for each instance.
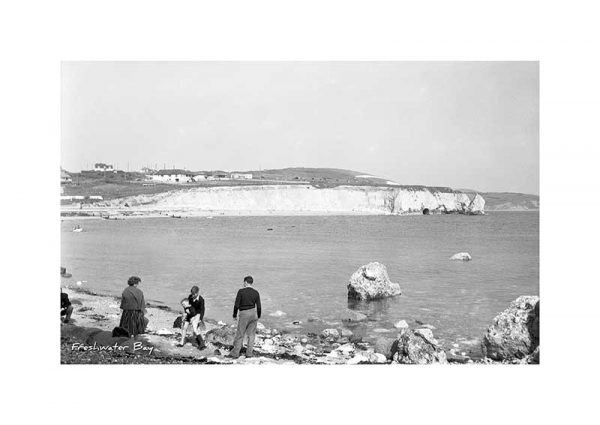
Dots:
(248, 304)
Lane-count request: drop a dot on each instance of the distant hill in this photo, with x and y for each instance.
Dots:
(321, 176)
(508, 201)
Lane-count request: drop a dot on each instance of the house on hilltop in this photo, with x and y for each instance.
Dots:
(100, 166)
(65, 177)
(173, 176)
(241, 176)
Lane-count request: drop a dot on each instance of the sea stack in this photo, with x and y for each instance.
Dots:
(476, 206)
(371, 282)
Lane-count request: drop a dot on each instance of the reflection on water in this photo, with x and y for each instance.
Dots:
(302, 266)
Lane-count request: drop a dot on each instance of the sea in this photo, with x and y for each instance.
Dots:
(301, 266)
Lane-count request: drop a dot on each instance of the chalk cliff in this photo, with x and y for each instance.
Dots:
(280, 199)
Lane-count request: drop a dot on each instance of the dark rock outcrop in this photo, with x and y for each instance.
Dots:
(120, 332)
(515, 333)
(222, 336)
(370, 282)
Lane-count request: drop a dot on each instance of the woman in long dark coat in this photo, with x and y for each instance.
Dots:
(134, 307)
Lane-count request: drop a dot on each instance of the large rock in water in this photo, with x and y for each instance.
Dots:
(462, 256)
(372, 282)
(515, 333)
(476, 206)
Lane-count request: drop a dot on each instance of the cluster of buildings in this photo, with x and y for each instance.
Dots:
(168, 175)
(100, 166)
(185, 176)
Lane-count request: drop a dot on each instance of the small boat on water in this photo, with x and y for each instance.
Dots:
(78, 228)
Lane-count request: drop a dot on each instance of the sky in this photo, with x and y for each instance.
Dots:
(468, 125)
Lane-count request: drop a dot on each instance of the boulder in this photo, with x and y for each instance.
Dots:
(418, 347)
(330, 333)
(347, 333)
(358, 359)
(462, 256)
(476, 206)
(353, 316)
(223, 336)
(386, 346)
(514, 333)
(119, 332)
(377, 358)
(371, 282)
(401, 324)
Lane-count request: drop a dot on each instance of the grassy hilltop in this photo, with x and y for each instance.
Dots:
(121, 184)
(508, 201)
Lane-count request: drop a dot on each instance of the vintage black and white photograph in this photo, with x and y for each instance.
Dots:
(316, 213)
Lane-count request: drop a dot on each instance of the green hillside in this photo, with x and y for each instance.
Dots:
(507, 201)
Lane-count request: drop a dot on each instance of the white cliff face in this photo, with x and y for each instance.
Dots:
(304, 199)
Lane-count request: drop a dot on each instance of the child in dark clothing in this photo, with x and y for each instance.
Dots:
(193, 317)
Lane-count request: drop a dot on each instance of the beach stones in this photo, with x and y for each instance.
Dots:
(461, 256)
(370, 282)
(330, 333)
(358, 359)
(377, 358)
(514, 333)
(347, 333)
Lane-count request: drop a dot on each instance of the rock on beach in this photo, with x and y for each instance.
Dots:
(371, 282)
(515, 333)
(418, 347)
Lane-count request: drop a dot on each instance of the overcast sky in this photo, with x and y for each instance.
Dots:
(458, 124)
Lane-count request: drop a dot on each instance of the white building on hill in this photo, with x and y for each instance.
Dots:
(65, 177)
(241, 176)
(173, 176)
(103, 167)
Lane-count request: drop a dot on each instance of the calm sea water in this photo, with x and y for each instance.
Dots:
(302, 265)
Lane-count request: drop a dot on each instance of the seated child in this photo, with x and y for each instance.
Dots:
(191, 316)
(66, 309)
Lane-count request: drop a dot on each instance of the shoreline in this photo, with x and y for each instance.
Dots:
(114, 214)
(95, 315)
